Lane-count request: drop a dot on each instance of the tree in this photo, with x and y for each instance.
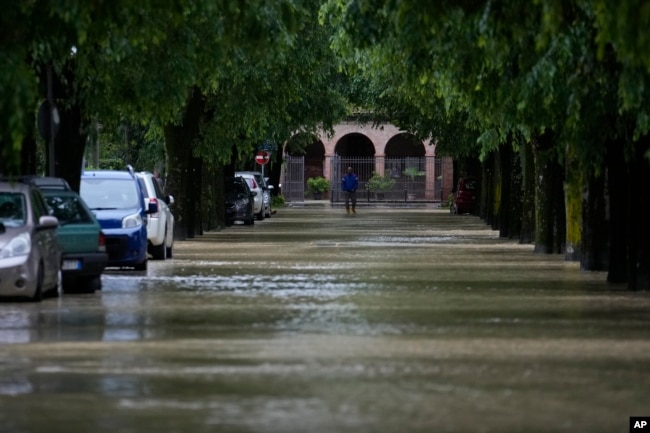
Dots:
(530, 72)
(154, 63)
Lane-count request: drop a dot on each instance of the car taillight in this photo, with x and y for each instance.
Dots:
(102, 242)
(254, 184)
(154, 200)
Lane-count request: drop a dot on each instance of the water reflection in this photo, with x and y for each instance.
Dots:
(312, 321)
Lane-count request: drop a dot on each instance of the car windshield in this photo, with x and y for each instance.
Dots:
(104, 194)
(68, 209)
(12, 209)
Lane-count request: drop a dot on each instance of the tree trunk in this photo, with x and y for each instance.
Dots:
(638, 218)
(212, 197)
(181, 170)
(550, 229)
(617, 184)
(527, 233)
(486, 190)
(505, 207)
(516, 192)
(594, 226)
(28, 158)
(69, 147)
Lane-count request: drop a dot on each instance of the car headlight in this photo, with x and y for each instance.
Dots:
(132, 221)
(21, 245)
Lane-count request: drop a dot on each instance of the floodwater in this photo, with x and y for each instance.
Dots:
(391, 320)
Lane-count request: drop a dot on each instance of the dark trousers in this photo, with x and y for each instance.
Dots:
(350, 196)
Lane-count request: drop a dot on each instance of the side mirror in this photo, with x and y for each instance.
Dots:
(170, 200)
(152, 207)
(47, 222)
(269, 187)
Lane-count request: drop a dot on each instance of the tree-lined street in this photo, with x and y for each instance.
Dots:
(392, 320)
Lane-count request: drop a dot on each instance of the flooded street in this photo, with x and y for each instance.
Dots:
(391, 320)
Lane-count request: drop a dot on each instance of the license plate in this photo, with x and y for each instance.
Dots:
(71, 265)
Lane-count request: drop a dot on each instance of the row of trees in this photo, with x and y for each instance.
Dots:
(211, 80)
(551, 98)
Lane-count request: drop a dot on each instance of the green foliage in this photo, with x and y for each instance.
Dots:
(379, 183)
(318, 184)
(460, 71)
(413, 172)
(277, 201)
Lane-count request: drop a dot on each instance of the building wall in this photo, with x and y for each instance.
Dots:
(379, 137)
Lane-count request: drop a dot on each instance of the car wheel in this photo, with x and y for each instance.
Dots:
(159, 252)
(170, 251)
(260, 215)
(69, 285)
(54, 291)
(38, 293)
(141, 266)
(93, 284)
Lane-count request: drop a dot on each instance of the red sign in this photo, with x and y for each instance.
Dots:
(262, 157)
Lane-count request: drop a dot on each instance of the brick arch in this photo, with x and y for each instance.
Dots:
(379, 136)
(404, 145)
(354, 144)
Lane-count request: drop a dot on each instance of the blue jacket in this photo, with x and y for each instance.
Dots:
(350, 182)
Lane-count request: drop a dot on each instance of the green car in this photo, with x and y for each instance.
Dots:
(80, 235)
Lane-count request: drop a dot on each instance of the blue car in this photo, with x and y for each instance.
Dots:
(117, 200)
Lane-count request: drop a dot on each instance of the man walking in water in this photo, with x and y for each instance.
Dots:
(349, 185)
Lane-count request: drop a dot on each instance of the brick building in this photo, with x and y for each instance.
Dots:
(370, 149)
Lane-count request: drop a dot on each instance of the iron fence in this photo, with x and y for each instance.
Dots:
(409, 178)
(293, 183)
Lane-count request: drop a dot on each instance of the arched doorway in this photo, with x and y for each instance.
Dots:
(357, 151)
(404, 145)
(407, 165)
(354, 145)
(313, 151)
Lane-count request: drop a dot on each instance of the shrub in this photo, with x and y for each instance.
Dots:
(379, 183)
(318, 184)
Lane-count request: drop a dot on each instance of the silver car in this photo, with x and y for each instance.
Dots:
(264, 188)
(30, 254)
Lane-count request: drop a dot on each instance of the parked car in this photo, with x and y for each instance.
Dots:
(258, 199)
(30, 253)
(45, 182)
(464, 200)
(263, 184)
(239, 201)
(117, 200)
(82, 240)
(160, 225)
(79, 233)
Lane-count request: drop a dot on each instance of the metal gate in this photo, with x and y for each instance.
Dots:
(414, 179)
(410, 179)
(293, 183)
